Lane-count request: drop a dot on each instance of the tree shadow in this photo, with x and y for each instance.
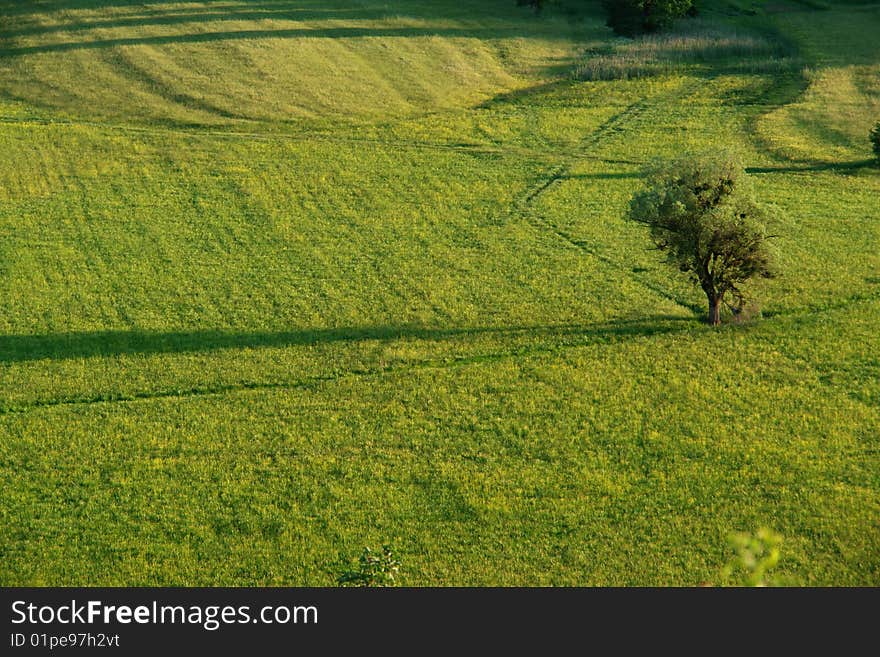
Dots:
(845, 167)
(170, 17)
(240, 35)
(815, 166)
(533, 95)
(148, 14)
(602, 176)
(31, 7)
(81, 345)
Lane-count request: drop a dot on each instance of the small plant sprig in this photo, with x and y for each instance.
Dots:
(373, 569)
(756, 555)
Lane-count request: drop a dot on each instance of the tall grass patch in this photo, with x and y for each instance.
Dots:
(693, 45)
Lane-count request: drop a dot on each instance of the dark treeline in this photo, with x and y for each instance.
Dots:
(633, 17)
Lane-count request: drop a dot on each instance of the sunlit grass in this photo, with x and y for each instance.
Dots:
(697, 44)
(267, 300)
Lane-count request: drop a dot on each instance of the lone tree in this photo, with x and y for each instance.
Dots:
(702, 215)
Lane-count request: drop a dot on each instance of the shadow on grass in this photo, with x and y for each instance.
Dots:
(846, 167)
(66, 346)
(538, 94)
(602, 176)
(818, 166)
(30, 7)
(236, 35)
(170, 17)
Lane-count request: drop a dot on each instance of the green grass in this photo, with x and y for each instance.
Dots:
(707, 46)
(282, 280)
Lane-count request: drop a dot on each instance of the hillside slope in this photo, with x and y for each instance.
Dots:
(280, 280)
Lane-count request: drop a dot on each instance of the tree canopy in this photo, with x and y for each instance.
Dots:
(632, 17)
(702, 215)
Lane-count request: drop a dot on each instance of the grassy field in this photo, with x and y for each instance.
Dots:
(280, 280)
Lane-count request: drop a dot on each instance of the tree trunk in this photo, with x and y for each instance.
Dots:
(714, 310)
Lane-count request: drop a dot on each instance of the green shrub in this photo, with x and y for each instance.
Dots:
(373, 569)
(755, 556)
(632, 17)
